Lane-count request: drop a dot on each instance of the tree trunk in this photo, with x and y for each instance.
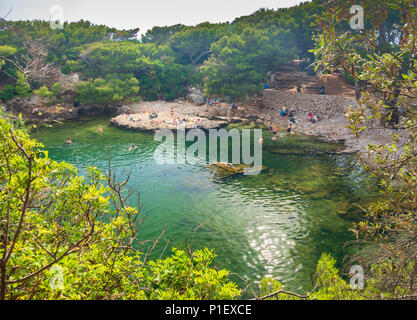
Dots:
(393, 110)
(2, 281)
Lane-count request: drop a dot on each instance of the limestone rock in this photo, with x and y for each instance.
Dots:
(123, 110)
(195, 96)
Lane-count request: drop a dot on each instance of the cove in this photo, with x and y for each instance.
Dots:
(275, 224)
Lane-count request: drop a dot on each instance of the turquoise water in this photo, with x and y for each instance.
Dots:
(275, 224)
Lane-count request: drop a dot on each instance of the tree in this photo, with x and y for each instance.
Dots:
(44, 92)
(195, 42)
(161, 35)
(240, 62)
(107, 90)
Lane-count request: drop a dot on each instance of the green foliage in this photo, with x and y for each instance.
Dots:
(7, 93)
(107, 90)
(22, 87)
(329, 285)
(298, 19)
(44, 92)
(195, 42)
(160, 77)
(240, 61)
(72, 237)
(382, 60)
(167, 60)
(6, 51)
(56, 89)
(161, 35)
(180, 277)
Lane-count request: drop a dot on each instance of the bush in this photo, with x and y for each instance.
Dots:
(56, 89)
(7, 93)
(22, 86)
(107, 90)
(44, 92)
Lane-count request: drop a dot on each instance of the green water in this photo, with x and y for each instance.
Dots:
(275, 224)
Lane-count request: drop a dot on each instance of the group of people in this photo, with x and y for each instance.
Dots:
(212, 102)
(100, 131)
(274, 129)
(178, 121)
(153, 117)
(290, 114)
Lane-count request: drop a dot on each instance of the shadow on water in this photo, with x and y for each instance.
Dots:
(274, 224)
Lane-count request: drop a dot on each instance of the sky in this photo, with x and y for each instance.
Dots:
(143, 14)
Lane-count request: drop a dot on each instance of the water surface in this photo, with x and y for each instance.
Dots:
(275, 224)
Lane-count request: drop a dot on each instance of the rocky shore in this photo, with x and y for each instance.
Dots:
(331, 128)
(185, 116)
(193, 114)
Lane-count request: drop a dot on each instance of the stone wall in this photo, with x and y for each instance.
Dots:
(323, 105)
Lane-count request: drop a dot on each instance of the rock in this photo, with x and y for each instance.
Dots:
(259, 121)
(37, 109)
(195, 96)
(324, 105)
(227, 169)
(123, 110)
(141, 122)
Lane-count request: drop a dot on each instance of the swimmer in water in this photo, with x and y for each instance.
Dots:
(133, 147)
(68, 141)
(100, 129)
